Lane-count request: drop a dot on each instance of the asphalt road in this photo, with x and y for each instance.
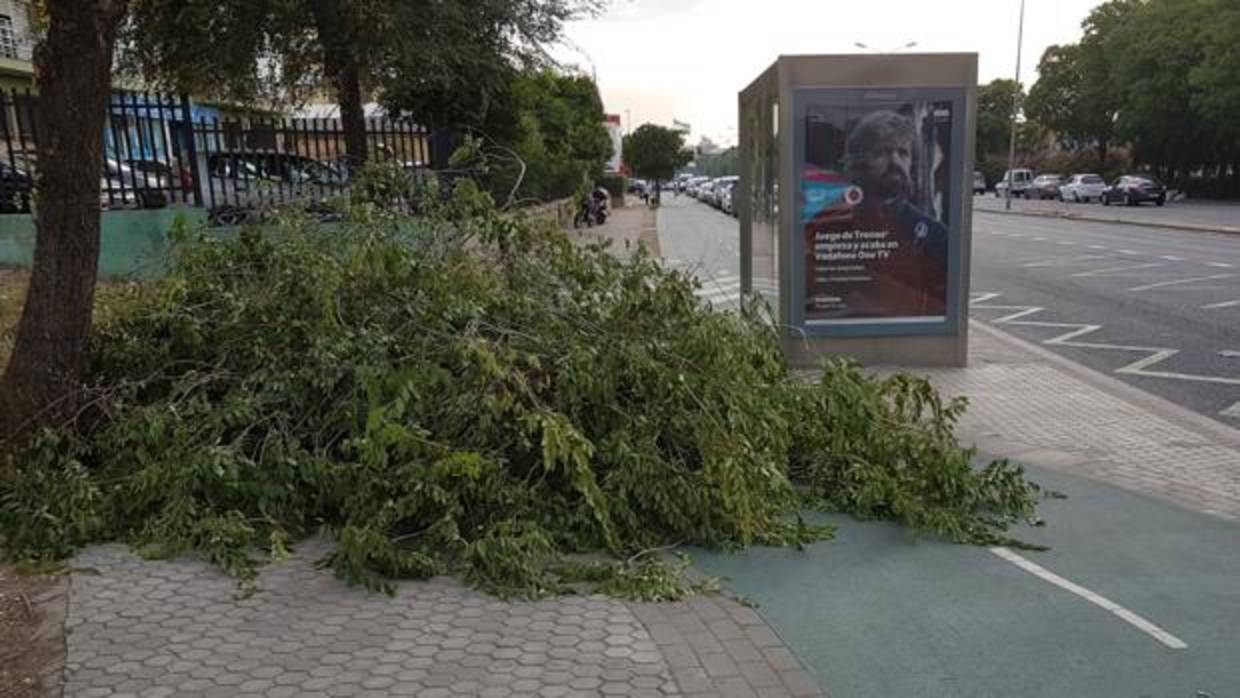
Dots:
(1157, 308)
(1135, 597)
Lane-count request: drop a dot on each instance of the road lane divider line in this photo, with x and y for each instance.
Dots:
(1066, 260)
(1179, 282)
(1096, 599)
(1111, 270)
(1140, 367)
(1172, 258)
(1128, 252)
(1220, 265)
(1224, 304)
(1097, 247)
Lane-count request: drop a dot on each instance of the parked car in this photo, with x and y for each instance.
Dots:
(1020, 180)
(979, 183)
(692, 185)
(1133, 189)
(1082, 187)
(1045, 186)
(115, 194)
(721, 185)
(727, 201)
(706, 190)
(16, 189)
(177, 176)
(119, 180)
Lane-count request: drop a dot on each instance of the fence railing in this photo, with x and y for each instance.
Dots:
(161, 151)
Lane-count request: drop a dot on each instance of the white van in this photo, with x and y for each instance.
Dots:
(1020, 179)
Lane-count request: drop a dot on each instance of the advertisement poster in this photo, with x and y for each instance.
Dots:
(875, 196)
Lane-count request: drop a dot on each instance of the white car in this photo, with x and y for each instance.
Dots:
(721, 185)
(1082, 187)
(1020, 180)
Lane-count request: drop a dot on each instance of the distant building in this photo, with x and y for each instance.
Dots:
(708, 147)
(16, 45)
(612, 123)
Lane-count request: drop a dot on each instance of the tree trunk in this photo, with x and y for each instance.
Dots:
(1102, 155)
(73, 73)
(337, 27)
(352, 113)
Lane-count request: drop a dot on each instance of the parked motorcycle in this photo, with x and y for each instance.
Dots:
(594, 210)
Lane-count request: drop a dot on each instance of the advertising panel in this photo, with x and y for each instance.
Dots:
(878, 205)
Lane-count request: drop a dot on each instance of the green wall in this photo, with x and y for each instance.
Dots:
(133, 243)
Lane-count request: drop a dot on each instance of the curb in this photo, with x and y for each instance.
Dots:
(1175, 225)
(1220, 433)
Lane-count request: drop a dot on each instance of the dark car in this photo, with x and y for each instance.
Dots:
(1133, 189)
(16, 188)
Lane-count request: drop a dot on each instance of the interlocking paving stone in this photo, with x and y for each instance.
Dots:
(180, 628)
(1030, 410)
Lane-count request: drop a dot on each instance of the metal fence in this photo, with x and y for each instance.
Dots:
(161, 151)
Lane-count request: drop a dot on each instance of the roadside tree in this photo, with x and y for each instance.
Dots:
(73, 64)
(655, 153)
(443, 62)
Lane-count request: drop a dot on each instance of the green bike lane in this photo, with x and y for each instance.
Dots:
(878, 612)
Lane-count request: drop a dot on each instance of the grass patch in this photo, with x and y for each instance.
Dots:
(13, 283)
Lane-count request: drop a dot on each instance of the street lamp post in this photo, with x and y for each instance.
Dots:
(1020, 38)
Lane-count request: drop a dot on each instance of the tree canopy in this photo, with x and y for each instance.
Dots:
(553, 123)
(1158, 76)
(441, 62)
(655, 152)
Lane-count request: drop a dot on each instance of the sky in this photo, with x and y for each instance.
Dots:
(659, 60)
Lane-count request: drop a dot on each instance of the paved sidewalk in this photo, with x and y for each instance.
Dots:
(628, 227)
(178, 628)
(1195, 216)
(1032, 406)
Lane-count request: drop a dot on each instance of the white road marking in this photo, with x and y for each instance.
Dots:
(1128, 252)
(1067, 243)
(1139, 367)
(1098, 600)
(1233, 411)
(1179, 282)
(1224, 304)
(1054, 260)
(1097, 247)
(1172, 258)
(1220, 265)
(1109, 270)
(1039, 239)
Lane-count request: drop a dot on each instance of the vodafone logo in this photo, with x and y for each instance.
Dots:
(853, 196)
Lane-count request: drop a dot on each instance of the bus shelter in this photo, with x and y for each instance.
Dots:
(855, 202)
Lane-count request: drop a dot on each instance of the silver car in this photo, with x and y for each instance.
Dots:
(1082, 187)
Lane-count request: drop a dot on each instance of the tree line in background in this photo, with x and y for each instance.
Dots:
(1151, 85)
